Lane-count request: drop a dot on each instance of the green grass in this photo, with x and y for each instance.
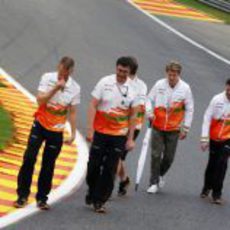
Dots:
(225, 17)
(2, 85)
(6, 128)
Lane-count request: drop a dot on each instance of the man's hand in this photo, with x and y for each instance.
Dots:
(183, 135)
(70, 140)
(150, 120)
(60, 84)
(89, 136)
(130, 144)
(204, 145)
(43, 98)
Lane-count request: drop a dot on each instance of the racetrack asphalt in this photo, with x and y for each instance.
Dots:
(35, 34)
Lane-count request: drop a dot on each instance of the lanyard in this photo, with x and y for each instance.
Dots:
(123, 94)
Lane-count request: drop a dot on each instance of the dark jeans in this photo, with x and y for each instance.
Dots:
(217, 167)
(164, 146)
(104, 156)
(53, 144)
(125, 153)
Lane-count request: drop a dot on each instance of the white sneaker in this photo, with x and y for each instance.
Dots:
(161, 182)
(152, 189)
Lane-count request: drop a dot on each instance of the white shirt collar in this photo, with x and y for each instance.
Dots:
(176, 86)
(69, 82)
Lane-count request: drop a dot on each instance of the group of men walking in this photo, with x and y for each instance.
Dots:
(116, 115)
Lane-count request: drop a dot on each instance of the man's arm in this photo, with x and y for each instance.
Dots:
(44, 97)
(73, 123)
(150, 104)
(206, 126)
(140, 102)
(91, 117)
(189, 111)
(130, 144)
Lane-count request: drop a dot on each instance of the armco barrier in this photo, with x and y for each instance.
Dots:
(223, 5)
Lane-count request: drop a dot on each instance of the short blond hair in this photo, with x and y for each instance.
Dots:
(67, 62)
(174, 66)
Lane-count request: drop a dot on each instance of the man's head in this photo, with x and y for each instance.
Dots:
(123, 69)
(173, 71)
(65, 68)
(134, 66)
(227, 88)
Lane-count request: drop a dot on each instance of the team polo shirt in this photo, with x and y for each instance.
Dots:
(216, 124)
(172, 107)
(53, 115)
(115, 101)
(140, 100)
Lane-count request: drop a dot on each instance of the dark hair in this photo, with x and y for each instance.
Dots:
(124, 61)
(134, 65)
(174, 66)
(67, 62)
(227, 81)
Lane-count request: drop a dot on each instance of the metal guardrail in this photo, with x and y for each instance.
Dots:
(223, 5)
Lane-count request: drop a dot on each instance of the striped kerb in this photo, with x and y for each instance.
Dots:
(173, 9)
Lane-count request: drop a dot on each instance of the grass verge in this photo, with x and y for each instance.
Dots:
(196, 4)
(6, 128)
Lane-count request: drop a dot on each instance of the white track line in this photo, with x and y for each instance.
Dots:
(181, 35)
(73, 181)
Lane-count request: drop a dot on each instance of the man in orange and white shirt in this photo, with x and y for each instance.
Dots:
(58, 95)
(139, 102)
(216, 136)
(111, 125)
(171, 119)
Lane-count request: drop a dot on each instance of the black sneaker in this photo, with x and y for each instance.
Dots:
(99, 208)
(20, 202)
(88, 200)
(204, 194)
(123, 187)
(43, 205)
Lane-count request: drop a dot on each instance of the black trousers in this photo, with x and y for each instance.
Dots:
(53, 144)
(104, 156)
(217, 167)
(125, 153)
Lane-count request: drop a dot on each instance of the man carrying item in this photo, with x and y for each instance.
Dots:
(171, 119)
(110, 120)
(139, 102)
(58, 95)
(216, 136)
